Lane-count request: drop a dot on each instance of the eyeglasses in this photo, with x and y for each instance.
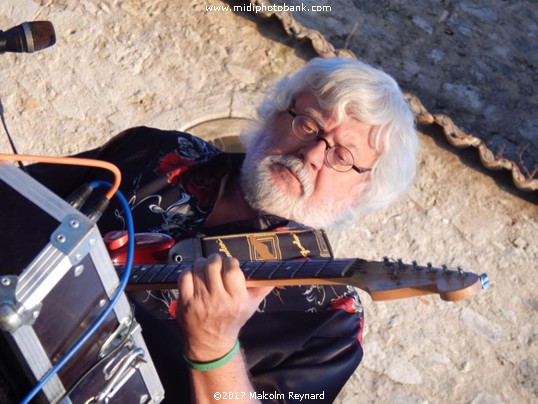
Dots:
(338, 157)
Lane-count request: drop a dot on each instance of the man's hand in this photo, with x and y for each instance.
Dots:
(213, 304)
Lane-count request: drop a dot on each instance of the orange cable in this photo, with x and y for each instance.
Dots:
(74, 161)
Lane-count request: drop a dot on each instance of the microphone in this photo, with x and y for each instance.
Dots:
(28, 37)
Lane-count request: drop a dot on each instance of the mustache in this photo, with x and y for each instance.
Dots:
(297, 166)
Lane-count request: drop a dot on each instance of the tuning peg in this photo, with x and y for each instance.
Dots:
(430, 267)
(386, 261)
(484, 280)
(460, 270)
(394, 268)
(401, 263)
(445, 268)
(415, 265)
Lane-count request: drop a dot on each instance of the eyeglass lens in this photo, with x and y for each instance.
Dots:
(306, 129)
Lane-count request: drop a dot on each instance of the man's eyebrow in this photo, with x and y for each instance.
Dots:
(315, 115)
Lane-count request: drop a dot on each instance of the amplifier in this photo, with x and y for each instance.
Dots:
(56, 278)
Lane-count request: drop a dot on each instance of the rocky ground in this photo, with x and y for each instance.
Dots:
(475, 61)
(176, 65)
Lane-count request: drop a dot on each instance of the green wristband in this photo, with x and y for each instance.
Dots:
(203, 366)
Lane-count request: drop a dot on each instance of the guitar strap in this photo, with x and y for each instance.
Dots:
(262, 246)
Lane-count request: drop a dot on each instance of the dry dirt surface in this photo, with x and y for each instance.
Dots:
(475, 61)
(175, 65)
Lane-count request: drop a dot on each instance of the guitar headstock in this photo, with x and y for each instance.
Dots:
(393, 279)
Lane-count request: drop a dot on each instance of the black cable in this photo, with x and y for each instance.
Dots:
(13, 148)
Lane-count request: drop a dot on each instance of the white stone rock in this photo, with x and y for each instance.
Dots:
(481, 324)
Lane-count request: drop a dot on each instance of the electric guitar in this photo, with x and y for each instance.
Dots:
(383, 280)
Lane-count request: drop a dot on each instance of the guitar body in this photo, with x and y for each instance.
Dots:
(149, 247)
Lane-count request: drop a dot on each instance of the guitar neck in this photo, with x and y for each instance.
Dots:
(266, 273)
(382, 280)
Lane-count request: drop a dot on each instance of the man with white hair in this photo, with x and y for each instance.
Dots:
(360, 106)
(333, 141)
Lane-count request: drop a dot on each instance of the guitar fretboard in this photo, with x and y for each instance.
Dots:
(164, 276)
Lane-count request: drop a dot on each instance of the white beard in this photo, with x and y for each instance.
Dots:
(263, 195)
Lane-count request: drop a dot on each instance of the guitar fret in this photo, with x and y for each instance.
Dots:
(138, 272)
(163, 272)
(150, 273)
(311, 268)
(172, 276)
(250, 267)
(320, 269)
(336, 268)
(287, 270)
(265, 270)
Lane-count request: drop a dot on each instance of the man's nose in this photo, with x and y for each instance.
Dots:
(313, 153)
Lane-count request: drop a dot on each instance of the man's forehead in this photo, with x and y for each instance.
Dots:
(308, 104)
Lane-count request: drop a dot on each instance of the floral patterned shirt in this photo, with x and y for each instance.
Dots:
(176, 191)
(299, 335)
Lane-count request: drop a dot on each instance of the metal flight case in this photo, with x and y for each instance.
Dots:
(56, 278)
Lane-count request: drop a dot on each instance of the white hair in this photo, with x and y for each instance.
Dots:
(352, 88)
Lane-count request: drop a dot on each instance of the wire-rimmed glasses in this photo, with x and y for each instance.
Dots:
(338, 157)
